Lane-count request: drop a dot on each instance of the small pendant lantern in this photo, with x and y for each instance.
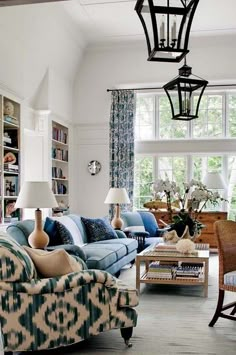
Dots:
(166, 25)
(179, 91)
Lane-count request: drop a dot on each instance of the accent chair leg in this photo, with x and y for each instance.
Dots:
(233, 310)
(126, 334)
(218, 308)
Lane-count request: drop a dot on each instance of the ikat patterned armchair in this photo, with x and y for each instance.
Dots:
(44, 313)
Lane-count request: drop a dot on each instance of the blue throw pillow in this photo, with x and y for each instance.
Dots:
(98, 229)
(57, 232)
(63, 234)
(51, 229)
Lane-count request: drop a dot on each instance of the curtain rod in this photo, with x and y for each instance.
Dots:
(159, 88)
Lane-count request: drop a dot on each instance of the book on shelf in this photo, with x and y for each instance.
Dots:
(58, 188)
(59, 135)
(153, 275)
(60, 154)
(57, 173)
(11, 186)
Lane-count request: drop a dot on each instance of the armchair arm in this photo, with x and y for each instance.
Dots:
(70, 249)
(60, 283)
(120, 233)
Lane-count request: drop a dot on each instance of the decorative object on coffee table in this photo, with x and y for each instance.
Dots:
(185, 246)
(117, 196)
(37, 194)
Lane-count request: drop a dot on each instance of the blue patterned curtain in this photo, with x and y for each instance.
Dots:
(122, 141)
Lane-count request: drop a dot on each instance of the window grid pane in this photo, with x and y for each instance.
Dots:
(143, 172)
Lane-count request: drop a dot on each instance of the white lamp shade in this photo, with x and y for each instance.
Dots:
(36, 194)
(214, 180)
(117, 195)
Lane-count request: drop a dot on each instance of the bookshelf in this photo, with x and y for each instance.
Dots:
(60, 166)
(10, 159)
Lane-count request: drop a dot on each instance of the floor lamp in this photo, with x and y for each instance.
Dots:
(117, 196)
(37, 194)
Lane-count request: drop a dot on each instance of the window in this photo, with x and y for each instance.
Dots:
(217, 121)
(217, 118)
(178, 168)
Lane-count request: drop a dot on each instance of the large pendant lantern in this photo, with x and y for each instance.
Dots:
(166, 25)
(179, 91)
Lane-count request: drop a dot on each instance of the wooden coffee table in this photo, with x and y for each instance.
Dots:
(151, 255)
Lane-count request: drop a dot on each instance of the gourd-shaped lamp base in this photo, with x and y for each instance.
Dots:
(117, 222)
(38, 239)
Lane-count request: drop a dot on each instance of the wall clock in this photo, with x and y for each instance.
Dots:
(94, 167)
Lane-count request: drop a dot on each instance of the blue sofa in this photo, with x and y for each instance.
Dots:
(108, 255)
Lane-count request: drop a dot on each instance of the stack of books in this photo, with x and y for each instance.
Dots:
(189, 271)
(11, 167)
(159, 271)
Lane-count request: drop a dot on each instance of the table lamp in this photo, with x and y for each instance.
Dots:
(37, 194)
(214, 180)
(117, 196)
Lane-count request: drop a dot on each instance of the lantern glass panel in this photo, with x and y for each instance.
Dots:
(148, 22)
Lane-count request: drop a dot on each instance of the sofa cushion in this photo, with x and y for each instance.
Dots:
(131, 219)
(98, 229)
(72, 227)
(57, 232)
(15, 263)
(129, 243)
(99, 258)
(80, 225)
(150, 223)
(117, 247)
(54, 263)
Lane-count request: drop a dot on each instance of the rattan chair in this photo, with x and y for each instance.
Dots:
(226, 237)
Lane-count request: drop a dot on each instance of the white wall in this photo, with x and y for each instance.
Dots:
(41, 49)
(126, 66)
(36, 41)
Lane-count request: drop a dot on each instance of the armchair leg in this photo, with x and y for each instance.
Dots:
(126, 334)
(218, 308)
(234, 310)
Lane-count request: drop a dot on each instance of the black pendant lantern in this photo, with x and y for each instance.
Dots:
(179, 91)
(166, 25)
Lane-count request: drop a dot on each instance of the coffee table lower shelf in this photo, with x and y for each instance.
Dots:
(148, 255)
(155, 280)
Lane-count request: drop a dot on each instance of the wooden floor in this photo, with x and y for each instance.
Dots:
(171, 320)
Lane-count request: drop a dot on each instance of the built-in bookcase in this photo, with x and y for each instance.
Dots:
(9, 159)
(60, 166)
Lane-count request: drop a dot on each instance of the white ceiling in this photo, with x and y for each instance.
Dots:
(107, 21)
